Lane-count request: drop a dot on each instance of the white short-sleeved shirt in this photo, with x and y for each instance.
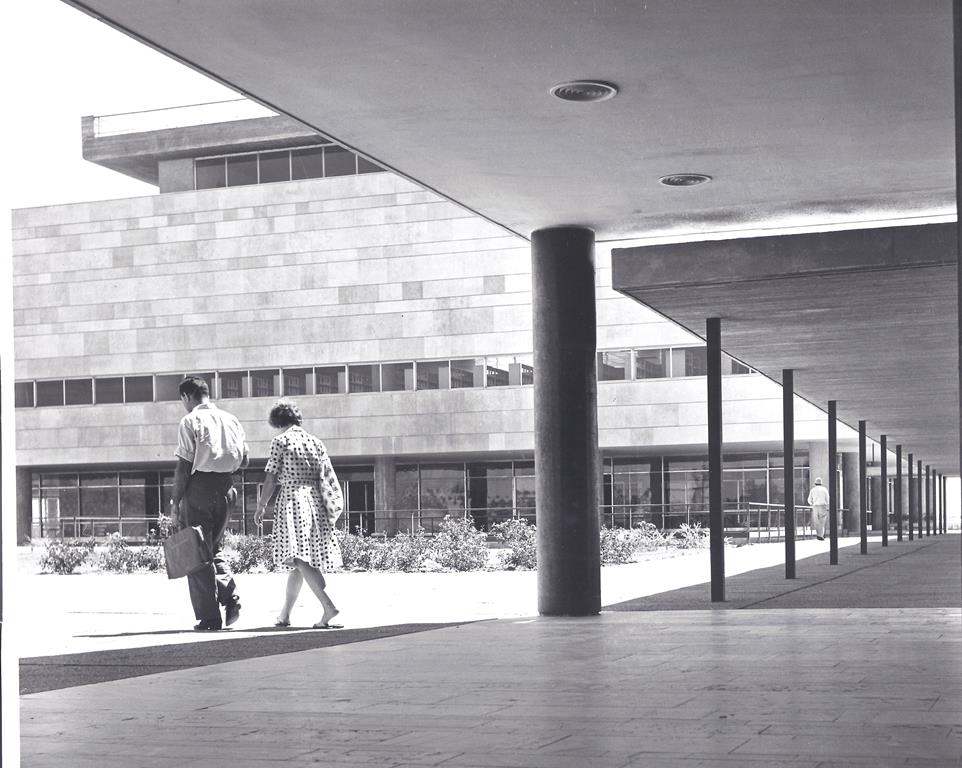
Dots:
(818, 497)
(210, 439)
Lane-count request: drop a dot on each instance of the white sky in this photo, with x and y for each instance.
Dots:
(60, 65)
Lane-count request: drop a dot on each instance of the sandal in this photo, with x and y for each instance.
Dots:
(282, 623)
(319, 625)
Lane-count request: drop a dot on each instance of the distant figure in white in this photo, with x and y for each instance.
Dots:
(818, 501)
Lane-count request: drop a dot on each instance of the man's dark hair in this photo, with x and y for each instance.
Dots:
(285, 414)
(194, 387)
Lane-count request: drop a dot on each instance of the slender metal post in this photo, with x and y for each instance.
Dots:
(928, 499)
(788, 451)
(918, 493)
(898, 491)
(911, 483)
(945, 512)
(862, 500)
(884, 500)
(716, 519)
(945, 499)
(832, 483)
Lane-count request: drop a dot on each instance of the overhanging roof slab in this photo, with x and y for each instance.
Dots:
(864, 317)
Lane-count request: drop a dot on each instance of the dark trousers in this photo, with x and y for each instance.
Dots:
(210, 497)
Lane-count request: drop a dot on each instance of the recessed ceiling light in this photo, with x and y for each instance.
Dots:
(684, 179)
(583, 90)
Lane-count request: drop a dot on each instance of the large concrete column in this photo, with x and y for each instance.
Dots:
(24, 481)
(566, 453)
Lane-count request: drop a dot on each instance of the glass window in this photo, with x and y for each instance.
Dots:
(297, 381)
(363, 378)
(233, 384)
(732, 366)
(397, 377)
(264, 383)
(521, 370)
(307, 163)
(442, 488)
(406, 495)
(241, 170)
(23, 394)
(433, 375)
(210, 174)
(466, 373)
(138, 389)
(330, 380)
(166, 387)
(490, 493)
(651, 363)
(366, 166)
(79, 391)
(696, 361)
(339, 162)
(274, 166)
(50, 392)
(109, 390)
(614, 366)
(98, 501)
(496, 372)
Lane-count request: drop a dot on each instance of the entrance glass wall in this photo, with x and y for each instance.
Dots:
(663, 490)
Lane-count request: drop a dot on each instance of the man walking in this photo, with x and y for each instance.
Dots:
(818, 501)
(211, 446)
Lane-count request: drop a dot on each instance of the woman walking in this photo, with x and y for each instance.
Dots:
(308, 505)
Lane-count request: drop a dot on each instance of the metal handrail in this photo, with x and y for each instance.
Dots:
(754, 520)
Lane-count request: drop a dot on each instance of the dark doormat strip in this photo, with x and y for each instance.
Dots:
(49, 673)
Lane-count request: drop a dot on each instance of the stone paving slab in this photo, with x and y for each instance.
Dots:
(496, 694)
(775, 685)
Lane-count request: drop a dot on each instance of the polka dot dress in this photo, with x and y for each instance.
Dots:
(309, 501)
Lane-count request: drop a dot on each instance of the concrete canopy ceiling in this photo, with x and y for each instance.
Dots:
(813, 108)
(803, 112)
(866, 318)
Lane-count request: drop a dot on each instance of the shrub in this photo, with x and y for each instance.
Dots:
(617, 546)
(149, 558)
(247, 554)
(116, 556)
(64, 557)
(690, 536)
(647, 537)
(408, 551)
(459, 546)
(519, 539)
(354, 549)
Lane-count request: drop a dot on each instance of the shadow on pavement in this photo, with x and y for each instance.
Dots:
(48, 673)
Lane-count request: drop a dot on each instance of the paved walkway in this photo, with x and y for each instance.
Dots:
(857, 664)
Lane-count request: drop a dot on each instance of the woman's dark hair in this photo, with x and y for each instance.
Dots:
(194, 387)
(285, 414)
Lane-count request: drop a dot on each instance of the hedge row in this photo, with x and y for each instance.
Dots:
(457, 546)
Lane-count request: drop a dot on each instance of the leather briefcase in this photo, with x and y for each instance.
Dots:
(186, 551)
